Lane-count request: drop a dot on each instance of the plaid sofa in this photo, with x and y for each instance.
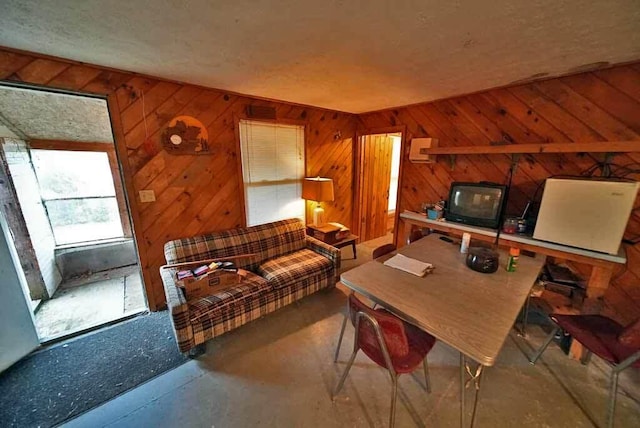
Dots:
(287, 265)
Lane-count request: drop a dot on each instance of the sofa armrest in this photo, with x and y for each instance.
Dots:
(326, 250)
(178, 309)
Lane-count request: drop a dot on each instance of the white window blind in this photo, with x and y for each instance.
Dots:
(272, 169)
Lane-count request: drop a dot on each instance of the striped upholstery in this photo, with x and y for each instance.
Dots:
(287, 266)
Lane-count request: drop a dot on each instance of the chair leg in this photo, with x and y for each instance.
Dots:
(586, 358)
(612, 398)
(544, 346)
(346, 372)
(344, 324)
(394, 396)
(627, 362)
(427, 381)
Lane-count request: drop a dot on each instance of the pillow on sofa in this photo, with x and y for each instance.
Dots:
(297, 266)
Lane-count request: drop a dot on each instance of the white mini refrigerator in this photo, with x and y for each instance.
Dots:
(585, 213)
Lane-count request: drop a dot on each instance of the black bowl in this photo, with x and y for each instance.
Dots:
(483, 260)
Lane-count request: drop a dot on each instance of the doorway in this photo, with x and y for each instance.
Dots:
(378, 163)
(66, 209)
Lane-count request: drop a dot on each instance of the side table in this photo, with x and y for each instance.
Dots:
(349, 240)
(329, 238)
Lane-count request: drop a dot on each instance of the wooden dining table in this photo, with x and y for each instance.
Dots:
(470, 311)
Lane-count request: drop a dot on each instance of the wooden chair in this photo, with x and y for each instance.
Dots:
(618, 346)
(391, 343)
(382, 250)
(415, 235)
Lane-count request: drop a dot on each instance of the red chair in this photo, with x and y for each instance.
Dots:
(378, 252)
(390, 342)
(619, 346)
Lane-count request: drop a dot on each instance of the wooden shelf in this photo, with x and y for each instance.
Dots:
(598, 147)
(579, 255)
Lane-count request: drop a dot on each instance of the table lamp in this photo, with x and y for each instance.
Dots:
(318, 190)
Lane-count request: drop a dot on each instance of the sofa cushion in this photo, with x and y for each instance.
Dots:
(251, 286)
(297, 266)
(266, 241)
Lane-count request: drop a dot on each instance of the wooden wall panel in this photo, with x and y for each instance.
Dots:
(194, 194)
(329, 154)
(595, 106)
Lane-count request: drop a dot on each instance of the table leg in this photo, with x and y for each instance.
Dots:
(525, 318)
(599, 281)
(353, 245)
(463, 376)
(476, 378)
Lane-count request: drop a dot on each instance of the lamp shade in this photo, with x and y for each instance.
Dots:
(317, 189)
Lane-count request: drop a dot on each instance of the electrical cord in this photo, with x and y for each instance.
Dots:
(504, 207)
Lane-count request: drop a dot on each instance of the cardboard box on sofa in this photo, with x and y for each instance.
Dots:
(211, 283)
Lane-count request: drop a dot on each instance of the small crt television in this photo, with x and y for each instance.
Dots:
(476, 204)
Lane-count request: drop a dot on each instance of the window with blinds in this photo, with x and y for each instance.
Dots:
(273, 169)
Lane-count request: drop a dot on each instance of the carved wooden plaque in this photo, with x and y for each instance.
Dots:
(186, 135)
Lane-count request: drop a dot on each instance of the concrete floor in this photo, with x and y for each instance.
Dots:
(279, 372)
(90, 301)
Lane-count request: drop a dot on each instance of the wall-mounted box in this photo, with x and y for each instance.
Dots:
(417, 153)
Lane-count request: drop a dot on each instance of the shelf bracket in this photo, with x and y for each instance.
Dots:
(606, 164)
(608, 157)
(452, 161)
(515, 158)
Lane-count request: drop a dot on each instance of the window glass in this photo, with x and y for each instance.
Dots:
(79, 195)
(273, 169)
(71, 174)
(79, 220)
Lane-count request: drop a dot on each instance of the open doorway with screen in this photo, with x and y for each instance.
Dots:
(66, 208)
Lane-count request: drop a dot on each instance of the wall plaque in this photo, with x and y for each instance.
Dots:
(186, 135)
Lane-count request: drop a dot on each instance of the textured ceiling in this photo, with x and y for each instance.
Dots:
(352, 56)
(27, 113)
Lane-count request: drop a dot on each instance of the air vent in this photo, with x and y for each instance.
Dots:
(261, 112)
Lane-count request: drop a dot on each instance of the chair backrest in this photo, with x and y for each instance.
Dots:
(391, 328)
(382, 250)
(415, 235)
(630, 336)
(266, 241)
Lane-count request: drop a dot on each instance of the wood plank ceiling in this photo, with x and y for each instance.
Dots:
(198, 194)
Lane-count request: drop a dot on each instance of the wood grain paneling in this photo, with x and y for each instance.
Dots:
(194, 194)
(588, 107)
(197, 194)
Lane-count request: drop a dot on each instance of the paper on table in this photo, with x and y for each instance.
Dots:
(410, 265)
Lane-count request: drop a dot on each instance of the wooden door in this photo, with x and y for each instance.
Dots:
(375, 173)
(18, 334)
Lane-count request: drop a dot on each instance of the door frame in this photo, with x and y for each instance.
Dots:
(124, 173)
(357, 169)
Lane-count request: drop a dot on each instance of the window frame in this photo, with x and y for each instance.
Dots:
(292, 122)
(109, 149)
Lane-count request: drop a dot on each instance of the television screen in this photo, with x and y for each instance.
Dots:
(478, 204)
